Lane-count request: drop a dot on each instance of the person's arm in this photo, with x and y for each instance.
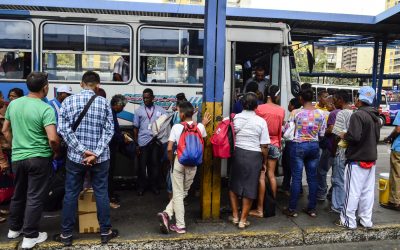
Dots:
(117, 77)
(6, 130)
(264, 151)
(107, 132)
(54, 140)
(331, 123)
(354, 132)
(170, 150)
(65, 129)
(206, 119)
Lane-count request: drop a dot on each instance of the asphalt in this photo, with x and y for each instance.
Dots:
(139, 228)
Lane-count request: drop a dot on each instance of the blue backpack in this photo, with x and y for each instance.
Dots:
(190, 146)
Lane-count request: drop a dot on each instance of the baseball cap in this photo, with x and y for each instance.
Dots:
(64, 89)
(367, 95)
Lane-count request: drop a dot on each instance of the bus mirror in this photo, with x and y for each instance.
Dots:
(295, 85)
(310, 61)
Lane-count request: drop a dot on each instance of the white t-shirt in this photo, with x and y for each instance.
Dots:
(177, 129)
(251, 131)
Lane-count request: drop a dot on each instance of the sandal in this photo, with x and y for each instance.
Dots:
(311, 212)
(114, 205)
(290, 213)
(256, 213)
(2, 219)
(243, 225)
(234, 220)
(4, 211)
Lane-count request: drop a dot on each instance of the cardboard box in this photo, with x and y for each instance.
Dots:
(87, 212)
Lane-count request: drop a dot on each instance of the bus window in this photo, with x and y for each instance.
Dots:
(314, 94)
(171, 56)
(69, 50)
(15, 49)
(355, 93)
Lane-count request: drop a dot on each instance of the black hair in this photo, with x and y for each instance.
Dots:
(249, 101)
(305, 86)
(35, 81)
(91, 77)
(252, 87)
(18, 91)
(295, 103)
(148, 91)
(272, 91)
(118, 100)
(101, 92)
(259, 68)
(186, 108)
(180, 97)
(343, 95)
(320, 93)
(307, 94)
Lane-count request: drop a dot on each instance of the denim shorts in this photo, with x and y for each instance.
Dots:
(273, 152)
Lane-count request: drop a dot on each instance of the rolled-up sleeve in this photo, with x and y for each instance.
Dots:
(107, 132)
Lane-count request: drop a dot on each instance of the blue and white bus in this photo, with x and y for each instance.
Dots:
(163, 46)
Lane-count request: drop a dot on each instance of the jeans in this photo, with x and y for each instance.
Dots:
(304, 154)
(113, 162)
(287, 173)
(31, 181)
(150, 159)
(325, 163)
(338, 193)
(75, 174)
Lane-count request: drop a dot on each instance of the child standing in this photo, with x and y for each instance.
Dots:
(181, 176)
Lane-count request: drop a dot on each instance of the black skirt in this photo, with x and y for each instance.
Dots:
(245, 173)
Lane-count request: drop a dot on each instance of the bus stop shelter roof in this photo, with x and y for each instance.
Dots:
(306, 26)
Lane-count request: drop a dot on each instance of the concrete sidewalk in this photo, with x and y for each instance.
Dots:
(138, 225)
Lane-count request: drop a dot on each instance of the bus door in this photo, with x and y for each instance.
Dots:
(246, 51)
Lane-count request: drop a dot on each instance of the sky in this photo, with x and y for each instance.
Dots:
(364, 7)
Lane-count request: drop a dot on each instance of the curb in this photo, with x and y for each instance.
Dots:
(242, 239)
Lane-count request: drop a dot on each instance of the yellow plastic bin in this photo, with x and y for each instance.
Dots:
(384, 188)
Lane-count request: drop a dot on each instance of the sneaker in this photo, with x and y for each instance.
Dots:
(105, 238)
(67, 241)
(164, 222)
(31, 242)
(177, 229)
(339, 223)
(13, 234)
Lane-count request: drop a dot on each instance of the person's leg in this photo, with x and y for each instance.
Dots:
(234, 204)
(271, 175)
(367, 198)
(353, 179)
(394, 178)
(38, 177)
(178, 187)
(296, 156)
(258, 212)
(99, 177)
(311, 165)
(18, 200)
(154, 166)
(142, 173)
(338, 193)
(246, 206)
(286, 167)
(73, 186)
(323, 169)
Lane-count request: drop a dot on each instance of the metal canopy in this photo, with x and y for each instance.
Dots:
(306, 25)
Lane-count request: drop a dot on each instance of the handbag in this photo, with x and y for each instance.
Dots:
(6, 187)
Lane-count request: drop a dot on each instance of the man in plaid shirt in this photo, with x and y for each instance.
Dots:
(87, 151)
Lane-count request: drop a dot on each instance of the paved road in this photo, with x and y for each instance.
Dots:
(376, 245)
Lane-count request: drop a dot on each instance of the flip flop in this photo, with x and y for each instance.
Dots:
(256, 213)
(310, 212)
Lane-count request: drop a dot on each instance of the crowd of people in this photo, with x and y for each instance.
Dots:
(81, 134)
